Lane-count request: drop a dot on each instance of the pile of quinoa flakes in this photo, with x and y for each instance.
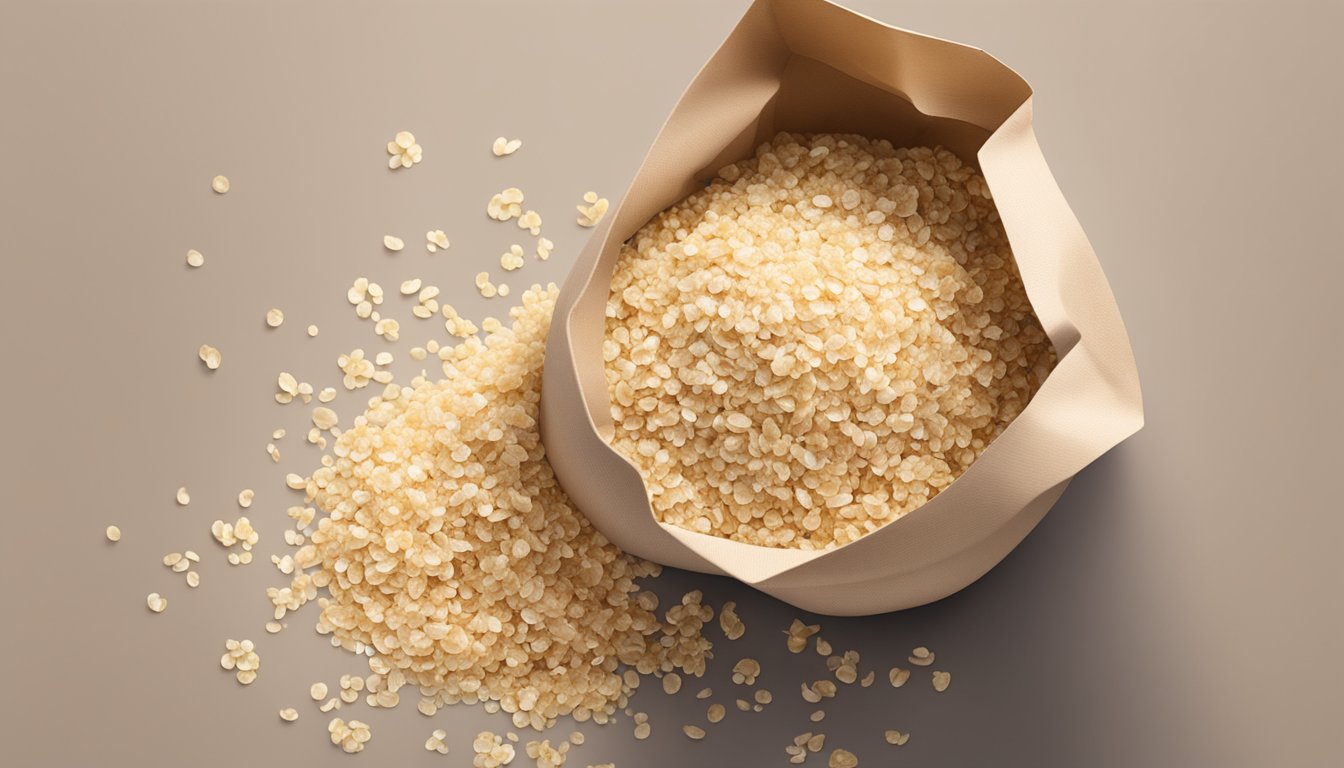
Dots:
(450, 550)
(818, 342)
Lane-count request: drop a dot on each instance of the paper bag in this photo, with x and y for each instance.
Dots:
(810, 66)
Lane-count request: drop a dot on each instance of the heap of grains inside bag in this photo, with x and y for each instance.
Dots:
(818, 342)
(455, 561)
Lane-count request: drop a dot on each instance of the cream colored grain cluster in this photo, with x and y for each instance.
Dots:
(450, 550)
(818, 342)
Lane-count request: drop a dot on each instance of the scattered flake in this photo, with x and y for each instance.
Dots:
(210, 356)
(289, 714)
(868, 679)
(488, 289)
(842, 758)
(763, 697)
(113, 533)
(898, 676)
(576, 738)
(278, 434)
(404, 151)
(732, 626)
(544, 247)
(823, 647)
(324, 418)
(715, 713)
(436, 240)
(351, 736)
(531, 221)
(393, 243)
(240, 657)
(435, 741)
(220, 184)
(312, 331)
(746, 671)
(546, 755)
(512, 258)
(193, 579)
(642, 731)
(503, 146)
(318, 691)
(846, 672)
(359, 290)
(273, 452)
(671, 683)
(183, 498)
(239, 533)
(798, 634)
(505, 205)
(410, 286)
(296, 482)
(921, 657)
(595, 208)
(694, 732)
(245, 497)
(491, 751)
(821, 689)
(743, 705)
(274, 317)
(156, 602)
(941, 680)
(326, 395)
(897, 738)
(194, 258)
(358, 371)
(817, 715)
(387, 328)
(704, 693)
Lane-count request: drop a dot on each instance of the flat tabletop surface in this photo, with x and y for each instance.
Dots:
(1178, 607)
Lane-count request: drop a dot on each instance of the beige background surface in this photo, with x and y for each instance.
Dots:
(1179, 607)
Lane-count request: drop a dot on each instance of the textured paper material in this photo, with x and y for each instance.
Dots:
(811, 66)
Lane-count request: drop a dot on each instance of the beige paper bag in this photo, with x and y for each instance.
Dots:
(810, 66)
